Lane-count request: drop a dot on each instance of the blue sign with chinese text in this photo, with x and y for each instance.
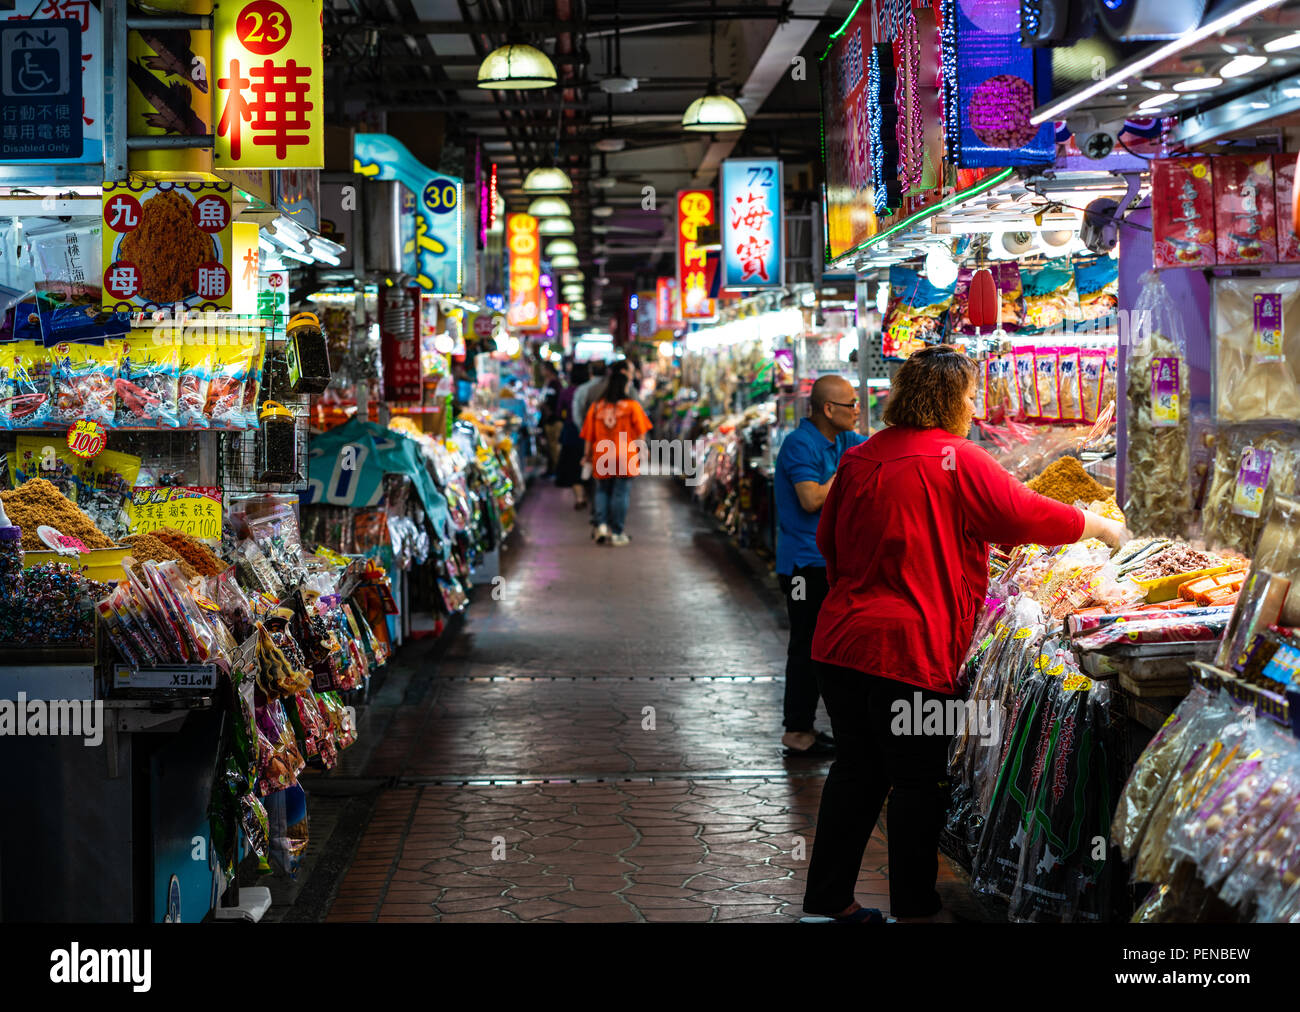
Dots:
(751, 223)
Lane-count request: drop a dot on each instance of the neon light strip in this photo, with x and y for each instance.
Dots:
(1229, 20)
(844, 27)
(929, 212)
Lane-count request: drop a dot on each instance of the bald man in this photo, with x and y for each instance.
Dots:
(805, 468)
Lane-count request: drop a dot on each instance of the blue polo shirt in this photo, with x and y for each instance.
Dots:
(806, 455)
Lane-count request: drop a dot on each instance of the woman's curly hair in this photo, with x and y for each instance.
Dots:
(929, 389)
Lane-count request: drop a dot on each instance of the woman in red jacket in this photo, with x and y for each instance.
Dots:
(906, 531)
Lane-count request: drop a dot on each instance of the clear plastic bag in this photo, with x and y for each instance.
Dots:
(1251, 467)
(1159, 494)
(1257, 349)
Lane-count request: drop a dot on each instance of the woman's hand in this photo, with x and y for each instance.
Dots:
(1112, 532)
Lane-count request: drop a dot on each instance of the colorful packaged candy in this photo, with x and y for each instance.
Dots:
(1182, 201)
(1245, 210)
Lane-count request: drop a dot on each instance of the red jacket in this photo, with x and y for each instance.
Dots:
(906, 531)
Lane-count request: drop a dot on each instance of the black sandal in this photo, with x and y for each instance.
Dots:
(863, 915)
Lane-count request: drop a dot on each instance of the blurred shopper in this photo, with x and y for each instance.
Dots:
(552, 387)
(568, 470)
(585, 396)
(805, 469)
(614, 424)
(905, 531)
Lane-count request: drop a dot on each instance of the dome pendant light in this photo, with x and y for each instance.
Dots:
(549, 207)
(547, 179)
(713, 112)
(517, 66)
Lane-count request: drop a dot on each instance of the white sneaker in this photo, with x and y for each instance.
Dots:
(602, 534)
(619, 539)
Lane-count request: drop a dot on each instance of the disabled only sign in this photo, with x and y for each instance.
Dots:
(40, 90)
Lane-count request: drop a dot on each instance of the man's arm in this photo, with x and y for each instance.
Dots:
(812, 496)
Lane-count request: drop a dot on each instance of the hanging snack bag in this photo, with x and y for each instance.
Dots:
(147, 380)
(252, 385)
(1096, 279)
(1245, 217)
(916, 313)
(231, 365)
(1256, 349)
(1092, 374)
(192, 388)
(69, 282)
(1045, 382)
(1050, 297)
(32, 384)
(1026, 382)
(1003, 398)
(1182, 203)
(1068, 385)
(82, 376)
(981, 392)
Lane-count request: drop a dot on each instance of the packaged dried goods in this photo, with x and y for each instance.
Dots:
(1251, 467)
(1068, 385)
(147, 382)
(1051, 301)
(1026, 382)
(1288, 242)
(1096, 279)
(1003, 395)
(916, 312)
(1182, 202)
(1092, 374)
(192, 386)
(1245, 223)
(1257, 349)
(1045, 381)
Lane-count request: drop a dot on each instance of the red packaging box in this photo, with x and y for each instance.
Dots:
(1245, 223)
(1182, 198)
(1288, 241)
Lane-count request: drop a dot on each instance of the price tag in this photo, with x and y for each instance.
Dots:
(1252, 480)
(1267, 330)
(1076, 683)
(192, 510)
(1165, 408)
(1023, 634)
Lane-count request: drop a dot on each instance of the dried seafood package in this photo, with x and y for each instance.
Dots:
(1257, 349)
(1251, 467)
(1159, 465)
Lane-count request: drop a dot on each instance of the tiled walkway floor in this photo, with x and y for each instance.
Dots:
(631, 697)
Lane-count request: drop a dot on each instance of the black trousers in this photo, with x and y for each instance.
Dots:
(801, 691)
(873, 763)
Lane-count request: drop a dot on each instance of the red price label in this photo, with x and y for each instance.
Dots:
(263, 26)
(87, 439)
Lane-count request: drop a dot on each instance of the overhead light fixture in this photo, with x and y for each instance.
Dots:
(547, 179)
(1243, 64)
(517, 67)
(714, 113)
(549, 207)
(555, 226)
(602, 211)
(600, 230)
(1198, 84)
(604, 182)
(557, 246)
(1156, 101)
(1282, 43)
(565, 260)
(940, 267)
(610, 144)
(572, 275)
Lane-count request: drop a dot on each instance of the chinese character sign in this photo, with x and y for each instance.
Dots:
(695, 208)
(439, 244)
(399, 319)
(751, 223)
(268, 72)
(524, 246)
(244, 268)
(167, 245)
(667, 305)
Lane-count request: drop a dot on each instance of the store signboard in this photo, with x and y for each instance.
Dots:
(696, 209)
(167, 245)
(752, 223)
(399, 328)
(48, 113)
(268, 76)
(273, 295)
(245, 282)
(194, 510)
(667, 304)
(523, 244)
(297, 196)
(168, 96)
(995, 90)
(849, 197)
(439, 247)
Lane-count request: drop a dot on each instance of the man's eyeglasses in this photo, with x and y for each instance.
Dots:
(845, 404)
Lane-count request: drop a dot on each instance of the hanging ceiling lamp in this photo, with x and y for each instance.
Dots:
(713, 112)
(565, 260)
(557, 246)
(549, 207)
(516, 66)
(547, 179)
(555, 226)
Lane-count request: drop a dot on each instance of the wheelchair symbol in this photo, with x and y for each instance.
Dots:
(30, 78)
(35, 70)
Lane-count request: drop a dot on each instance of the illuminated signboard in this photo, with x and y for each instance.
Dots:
(752, 223)
(667, 305)
(695, 208)
(524, 245)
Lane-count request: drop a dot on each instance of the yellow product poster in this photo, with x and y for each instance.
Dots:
(268, 94)
(193, 510)
(167, 245)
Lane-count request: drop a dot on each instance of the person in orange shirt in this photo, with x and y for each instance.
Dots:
(613, 429)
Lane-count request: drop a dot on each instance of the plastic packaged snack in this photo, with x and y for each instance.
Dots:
(1069, 385)
(253, 379)
(1257, 349)
(1026, 382)
(1245, 223)
(1051, 301)
(30, 399)
(69, 280)
(147, 382)
(1003, 399)
(1096, 279)
(1252, 466)
(916, 313)
(1159, 487)
(192, 388)
(231, 365)
(1182, 201)
(1046, 384)
(1288, 242)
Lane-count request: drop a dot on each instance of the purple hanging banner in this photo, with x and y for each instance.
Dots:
(995, 81)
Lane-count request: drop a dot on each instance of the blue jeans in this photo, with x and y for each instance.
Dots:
(611, 499)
